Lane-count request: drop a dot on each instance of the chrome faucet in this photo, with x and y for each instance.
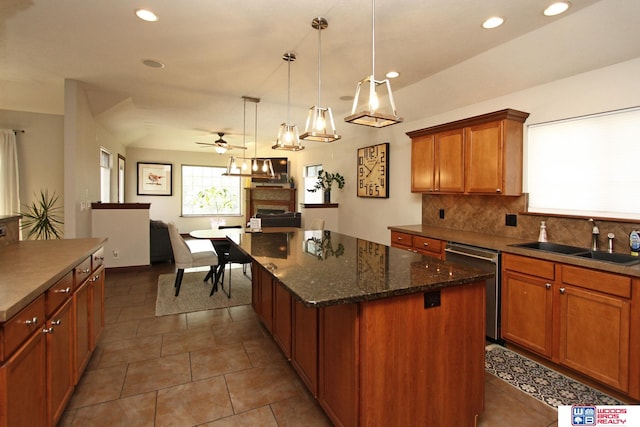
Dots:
(610, 236)
(595, 233)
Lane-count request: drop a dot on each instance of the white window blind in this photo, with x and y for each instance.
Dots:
(196, 179)
(587, 166)
(105, 175)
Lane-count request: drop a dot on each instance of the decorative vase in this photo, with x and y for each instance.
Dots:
(327, 196)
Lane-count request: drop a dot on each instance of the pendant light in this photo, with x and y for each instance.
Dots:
(320, 126)
(288, 138)
(246, 166)
(372, 114)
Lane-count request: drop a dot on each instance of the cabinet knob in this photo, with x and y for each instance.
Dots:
(47, 330)
(547, 285)
(85, 271)
(31, 321)
(562, 290)
(63, 291)
(425, 244)
(56, 322)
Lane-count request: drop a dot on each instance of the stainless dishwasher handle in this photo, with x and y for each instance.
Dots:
(453, 251)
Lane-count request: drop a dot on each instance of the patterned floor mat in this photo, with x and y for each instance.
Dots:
(538, 381)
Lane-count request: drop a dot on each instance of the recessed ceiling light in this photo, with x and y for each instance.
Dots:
(146, 15)
(557, 8)
(392, 74)
(493, 22)
(152, 63)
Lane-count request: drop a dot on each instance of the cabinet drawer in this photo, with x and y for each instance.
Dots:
(530, 266)
(22, 325)
(97, 259)
(82, 271)
(59, 293)
(401, 239)
(427, 244)
(600, 281)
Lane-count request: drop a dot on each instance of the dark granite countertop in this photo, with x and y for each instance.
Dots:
(504, 244)
(323, 268)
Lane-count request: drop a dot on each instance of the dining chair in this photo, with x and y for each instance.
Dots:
(190, 254)
(233, 255)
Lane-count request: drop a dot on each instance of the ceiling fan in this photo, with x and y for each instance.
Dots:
(221, 145)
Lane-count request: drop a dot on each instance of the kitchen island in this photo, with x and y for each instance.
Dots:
(379, 335)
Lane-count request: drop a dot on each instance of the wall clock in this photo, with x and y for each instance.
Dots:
(373, 171)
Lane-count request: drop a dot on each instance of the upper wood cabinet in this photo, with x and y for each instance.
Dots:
(478, 155)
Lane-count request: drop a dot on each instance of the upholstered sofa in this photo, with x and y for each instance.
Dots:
(288, 219)
(159, 242)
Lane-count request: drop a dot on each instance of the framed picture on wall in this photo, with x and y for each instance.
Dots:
(155, 179)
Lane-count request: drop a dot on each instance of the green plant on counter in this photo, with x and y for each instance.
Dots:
(325, 181)
(42, 217)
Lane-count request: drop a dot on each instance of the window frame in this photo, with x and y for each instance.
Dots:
(192, 192)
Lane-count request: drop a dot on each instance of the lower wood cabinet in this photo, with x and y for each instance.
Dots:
(577, 317)
(381, 362)
(419, 244)
(46, 346)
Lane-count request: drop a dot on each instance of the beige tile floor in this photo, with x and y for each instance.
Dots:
(214, 368)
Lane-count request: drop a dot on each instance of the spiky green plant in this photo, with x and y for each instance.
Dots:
(42, 217)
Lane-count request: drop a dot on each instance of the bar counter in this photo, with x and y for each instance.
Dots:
(322, 268)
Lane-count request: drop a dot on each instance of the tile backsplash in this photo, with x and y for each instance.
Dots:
(486, 214)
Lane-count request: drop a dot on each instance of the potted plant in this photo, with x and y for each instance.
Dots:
(219, 199)
(42, 217)
(325, 182)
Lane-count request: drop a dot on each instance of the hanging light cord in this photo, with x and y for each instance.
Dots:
(373, 39)
(319, 59)
(288, 86)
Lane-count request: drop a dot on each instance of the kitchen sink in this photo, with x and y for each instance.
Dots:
(616, 258)
(552, 247)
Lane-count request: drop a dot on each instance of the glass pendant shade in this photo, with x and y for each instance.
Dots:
(369, 111)
(320, 126)
(288, 138)
(251, 166)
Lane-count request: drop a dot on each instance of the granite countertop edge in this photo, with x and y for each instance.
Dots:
(503, 244)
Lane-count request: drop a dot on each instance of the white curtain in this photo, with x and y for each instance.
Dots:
(9, 198)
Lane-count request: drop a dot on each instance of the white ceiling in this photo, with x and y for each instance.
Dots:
(216, 51)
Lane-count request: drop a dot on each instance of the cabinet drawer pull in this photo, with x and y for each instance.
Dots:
(547, 285)
(425, 244)
(562, 290)
(85, 271)
(31, 321)
(63, 291)
(399, 238)
(56, 322)
(47, 330)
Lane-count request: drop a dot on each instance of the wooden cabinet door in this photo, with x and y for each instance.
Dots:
(22, 379)
(423, 164)
(594, 335)
(282, 315)
(527, 315)
(304, 356)
(338, 367)
(255, 288)
(60, 374)
(82, 351)
(450, 161)
(266, 299)
(484, 157)
(97, 307)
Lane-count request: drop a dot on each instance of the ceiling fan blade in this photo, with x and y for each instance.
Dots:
(210, 144)
(239, 147)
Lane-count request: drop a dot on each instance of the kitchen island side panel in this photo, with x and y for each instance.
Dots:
(423, 366)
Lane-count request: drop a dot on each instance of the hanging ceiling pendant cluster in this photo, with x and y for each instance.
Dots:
(320, 126)
(371, 113)
(250, 166)
(288, 138)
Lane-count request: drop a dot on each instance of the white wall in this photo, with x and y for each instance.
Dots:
(40, 152)
(127, 231)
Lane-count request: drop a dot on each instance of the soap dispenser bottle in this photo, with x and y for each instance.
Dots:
(634, 242)
(542, 237)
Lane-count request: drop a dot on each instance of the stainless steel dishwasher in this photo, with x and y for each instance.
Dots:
(487, 260)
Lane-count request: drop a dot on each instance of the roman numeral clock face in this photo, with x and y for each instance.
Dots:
(373, 171)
